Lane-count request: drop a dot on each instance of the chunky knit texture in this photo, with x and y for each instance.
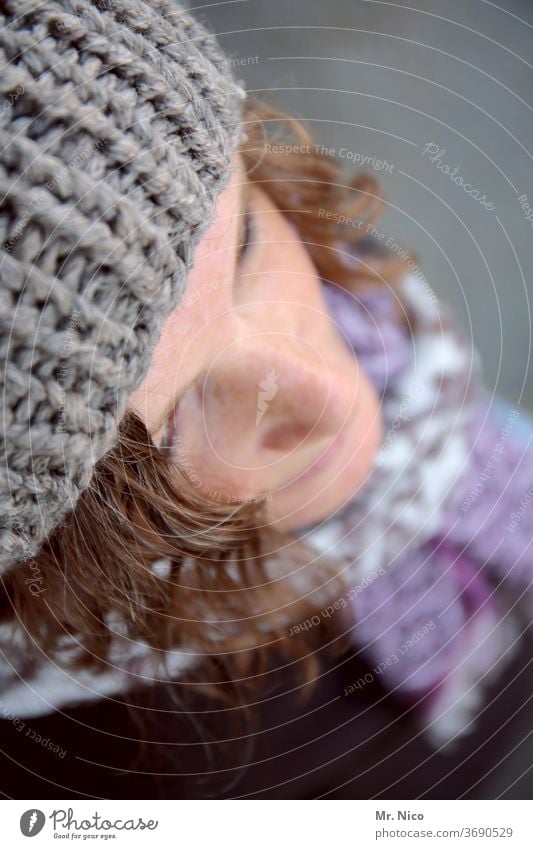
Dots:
(118, 120)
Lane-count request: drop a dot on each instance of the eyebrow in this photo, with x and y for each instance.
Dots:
(163, 421)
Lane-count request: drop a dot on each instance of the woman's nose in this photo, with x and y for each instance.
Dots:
(279, 397)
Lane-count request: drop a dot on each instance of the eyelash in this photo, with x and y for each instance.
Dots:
(248, 234)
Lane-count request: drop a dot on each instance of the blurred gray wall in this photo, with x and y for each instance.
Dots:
(384, 80)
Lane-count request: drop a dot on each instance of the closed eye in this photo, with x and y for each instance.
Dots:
(247, 237)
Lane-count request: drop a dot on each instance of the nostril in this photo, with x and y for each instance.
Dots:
(286, 437)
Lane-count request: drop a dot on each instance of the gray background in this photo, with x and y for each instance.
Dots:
(384, 80)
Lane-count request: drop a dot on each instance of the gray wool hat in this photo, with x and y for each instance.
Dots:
(118, 121)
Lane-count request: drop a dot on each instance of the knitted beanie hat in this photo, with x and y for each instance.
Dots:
(118, 120)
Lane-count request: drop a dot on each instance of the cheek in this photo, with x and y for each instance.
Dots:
(317, 498)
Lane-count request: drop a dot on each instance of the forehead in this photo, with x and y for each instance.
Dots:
(215, 253)
(213, 265)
